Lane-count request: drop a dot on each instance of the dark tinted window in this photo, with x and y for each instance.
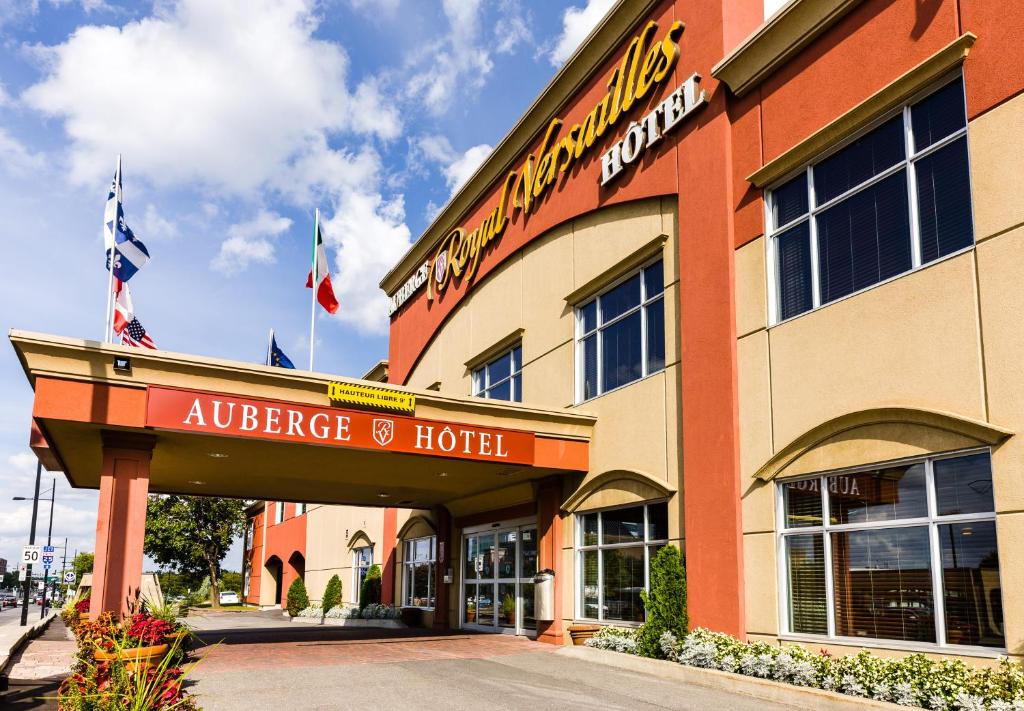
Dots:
(803, 503)
(657, 522)
(794, 255)
(881, 495)
(621, 361)
(620, 299)
(970, 576)
(623, 525)
(963, 485)
(655, 336)
(944, 201)
(789, 201)
(864, 158)
(939, 115)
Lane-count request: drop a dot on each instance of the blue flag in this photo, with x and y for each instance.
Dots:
(124, 249)
(277, 357)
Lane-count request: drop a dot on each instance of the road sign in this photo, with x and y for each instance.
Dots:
(22, 572)
(69, 576)
(30, 554)
(47, 560)
(48, 549)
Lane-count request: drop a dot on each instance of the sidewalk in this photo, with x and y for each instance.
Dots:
(38, 668)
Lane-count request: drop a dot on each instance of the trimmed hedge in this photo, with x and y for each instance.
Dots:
(332, 594)
(665, 603)
(369, 593)
(298, 599)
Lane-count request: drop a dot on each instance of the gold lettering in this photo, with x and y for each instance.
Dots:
(638, 48)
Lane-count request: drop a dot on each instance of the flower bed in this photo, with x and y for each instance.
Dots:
(373, 615)
(913, 680)
(129, 663)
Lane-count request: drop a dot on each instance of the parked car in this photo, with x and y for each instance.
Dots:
(229, 597)
(8, 599)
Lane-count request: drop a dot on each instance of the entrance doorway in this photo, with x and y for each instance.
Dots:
(498, 568)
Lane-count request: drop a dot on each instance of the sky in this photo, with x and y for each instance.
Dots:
(235, 121)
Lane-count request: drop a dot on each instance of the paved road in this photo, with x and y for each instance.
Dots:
(277, 665)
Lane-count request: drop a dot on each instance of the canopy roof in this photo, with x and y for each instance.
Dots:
(228, 428)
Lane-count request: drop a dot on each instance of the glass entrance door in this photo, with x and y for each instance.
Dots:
(498, 570)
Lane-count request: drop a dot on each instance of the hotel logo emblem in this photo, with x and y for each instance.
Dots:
(383, 431)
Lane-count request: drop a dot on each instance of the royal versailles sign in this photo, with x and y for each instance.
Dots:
(646, 64)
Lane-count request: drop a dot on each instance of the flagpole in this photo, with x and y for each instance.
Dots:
(110, 279)
(270, 341)
(315, 279)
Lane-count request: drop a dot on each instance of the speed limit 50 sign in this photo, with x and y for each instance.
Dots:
(30, 554)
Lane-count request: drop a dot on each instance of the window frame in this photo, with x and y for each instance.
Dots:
(911, 157)
(579, 549)
(408, 571)
(357, 583)
(481, 376)
(579, 335)
(932, 521)
(278, 512)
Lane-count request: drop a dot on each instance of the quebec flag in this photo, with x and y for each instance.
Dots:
(129, 254)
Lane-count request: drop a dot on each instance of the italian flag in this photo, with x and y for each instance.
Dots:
(320, 273)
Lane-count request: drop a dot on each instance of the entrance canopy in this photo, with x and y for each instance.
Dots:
(226, 428)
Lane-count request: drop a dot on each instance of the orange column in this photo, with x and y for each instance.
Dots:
(121, 520)
(549, 552)
(388, 594)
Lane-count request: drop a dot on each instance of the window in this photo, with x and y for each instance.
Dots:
(614, 549)
(501, 379)
(249, 529)
(362, 559)
(418, 566)
(620, 334)
(903, 551)
(279, 512)
(893, 200)
(300, 509)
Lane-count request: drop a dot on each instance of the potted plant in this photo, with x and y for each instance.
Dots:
(470, 611)
(508, 609)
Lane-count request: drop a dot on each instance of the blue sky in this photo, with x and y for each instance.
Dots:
(235, 121)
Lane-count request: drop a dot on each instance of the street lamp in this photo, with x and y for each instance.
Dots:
(32, 540)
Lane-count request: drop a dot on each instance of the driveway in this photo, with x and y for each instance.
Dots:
(260, 661)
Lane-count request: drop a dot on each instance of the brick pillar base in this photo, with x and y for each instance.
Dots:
(121, 521)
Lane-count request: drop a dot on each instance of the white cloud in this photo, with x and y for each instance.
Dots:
(209, 92)
(376, 7)
(370, 235)
(459, 171)
(456, 167)
(459, 62)
(250, 242)
(513, 27)
(155, 226)
(15, 158)
(577, 23)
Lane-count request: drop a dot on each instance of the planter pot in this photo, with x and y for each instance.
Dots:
(581, 633)
(136, 657)
(471, 616)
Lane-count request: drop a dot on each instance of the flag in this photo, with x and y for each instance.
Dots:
(277, 357)
(125, 324)
(127, 251)
(320, 274)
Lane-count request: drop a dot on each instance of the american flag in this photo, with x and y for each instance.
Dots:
(135, 335)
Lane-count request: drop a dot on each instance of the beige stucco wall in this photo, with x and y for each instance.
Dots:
(330, 531)
(947, 337)
(528, 294)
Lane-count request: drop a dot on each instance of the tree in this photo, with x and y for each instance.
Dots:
(10, 580)
(230, 580)
(192, 534)
(370, 591)
(298, 600)
(82, 564)
(665, 603)
(332, 594)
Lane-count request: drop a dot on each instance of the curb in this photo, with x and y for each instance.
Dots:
(27, 632)
(797, 696)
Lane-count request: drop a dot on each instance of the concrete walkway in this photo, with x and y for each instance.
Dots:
(38, 668)
(283, 665)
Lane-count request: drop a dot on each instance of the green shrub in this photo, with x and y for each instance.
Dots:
(298, 600)
(665, 603)
(332, 594)
(370, 590)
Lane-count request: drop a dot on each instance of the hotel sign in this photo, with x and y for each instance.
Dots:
(370, 396)
(274, 420)
(645, 65)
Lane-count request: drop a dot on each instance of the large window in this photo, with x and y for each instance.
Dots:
(614, 549)
(895, 199)
(278, 512)
(620, 334)
(903, 551)
(501, 378)
(418, 576)
(362, 559)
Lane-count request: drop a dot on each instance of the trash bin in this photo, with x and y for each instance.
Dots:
(544, 595)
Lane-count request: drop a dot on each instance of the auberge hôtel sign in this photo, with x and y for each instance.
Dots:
(645, 65)
(254, 418)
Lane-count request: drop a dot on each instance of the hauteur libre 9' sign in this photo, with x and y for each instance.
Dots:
(229, 415)
(645, 65)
